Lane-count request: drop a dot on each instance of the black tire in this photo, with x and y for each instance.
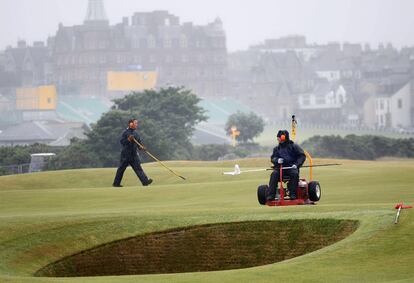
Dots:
(314, 189)
(261, 193)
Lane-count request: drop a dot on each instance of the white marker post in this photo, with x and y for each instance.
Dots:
(400, 206)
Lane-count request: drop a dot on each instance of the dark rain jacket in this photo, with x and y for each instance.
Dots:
(290, 152)
(129, 149)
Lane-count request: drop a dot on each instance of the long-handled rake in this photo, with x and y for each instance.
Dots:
(159, 161)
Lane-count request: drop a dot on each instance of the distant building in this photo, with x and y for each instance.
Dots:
(324, 104)
(5, 104)
(54, 133)
(295, 43)
(382, 110)
(268, 81)
(27, 65)
(36, 98)
(180, 54)
(352, 49)
(401, 105)
(391, 110)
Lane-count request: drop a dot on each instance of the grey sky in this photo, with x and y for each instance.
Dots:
(245, 22)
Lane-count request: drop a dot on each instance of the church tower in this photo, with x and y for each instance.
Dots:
(96, 13)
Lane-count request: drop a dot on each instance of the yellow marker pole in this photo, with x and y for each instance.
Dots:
(293, 132)
(234, 134)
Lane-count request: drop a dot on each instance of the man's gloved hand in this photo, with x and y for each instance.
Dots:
(280, 161)
(131, 138)
(294, 166)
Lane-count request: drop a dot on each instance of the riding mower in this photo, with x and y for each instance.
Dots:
(306, 192)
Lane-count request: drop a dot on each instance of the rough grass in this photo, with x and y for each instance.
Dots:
(48, 216)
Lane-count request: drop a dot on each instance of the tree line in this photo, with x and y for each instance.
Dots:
(367, 147)
(167, 119)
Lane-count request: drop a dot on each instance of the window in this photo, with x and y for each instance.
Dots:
(320, 100)
(135, 41)
(381, 105)
(167, 43)
(200, 58)
(399, 103)
(49, 100)
(28, 65)
(183, 41)
(151, 42)
(73, 42)
(306, 100)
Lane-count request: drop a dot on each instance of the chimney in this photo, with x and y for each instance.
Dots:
(21, 44)
(38, 44)
(125, 21)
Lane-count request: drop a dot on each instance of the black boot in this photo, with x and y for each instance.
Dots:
(147, 182)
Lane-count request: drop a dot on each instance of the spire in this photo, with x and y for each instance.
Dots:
(96, 11)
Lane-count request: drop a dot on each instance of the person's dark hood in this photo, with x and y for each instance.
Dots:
(285, 133)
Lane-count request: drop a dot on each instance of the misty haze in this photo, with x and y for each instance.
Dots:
(207, 141)
(341, 68)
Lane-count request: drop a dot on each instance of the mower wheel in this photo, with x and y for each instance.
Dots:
(261, 193)
(314, 189)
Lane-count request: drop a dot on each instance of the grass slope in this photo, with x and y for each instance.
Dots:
(47, 216)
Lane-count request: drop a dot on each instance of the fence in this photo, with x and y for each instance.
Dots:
(15, 169)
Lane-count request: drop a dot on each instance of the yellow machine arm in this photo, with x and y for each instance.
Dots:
(293, 137)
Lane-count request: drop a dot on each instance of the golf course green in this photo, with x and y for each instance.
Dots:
(49, 216)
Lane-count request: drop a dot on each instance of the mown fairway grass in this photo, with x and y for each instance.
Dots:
(47, 216)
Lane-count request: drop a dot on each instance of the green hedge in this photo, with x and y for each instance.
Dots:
(359, 147)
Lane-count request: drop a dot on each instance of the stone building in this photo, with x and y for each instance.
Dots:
(182, 54)
(26, 65)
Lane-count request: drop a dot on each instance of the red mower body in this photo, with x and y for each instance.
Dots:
(306, 193)
(302, 196)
